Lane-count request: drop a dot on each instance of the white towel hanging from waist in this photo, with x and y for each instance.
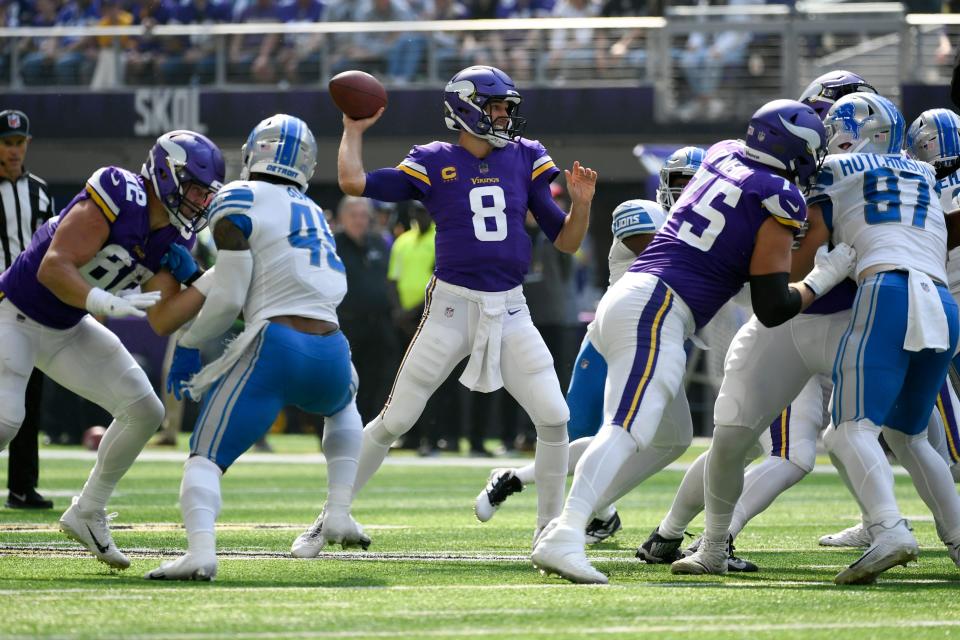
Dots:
(927, 326)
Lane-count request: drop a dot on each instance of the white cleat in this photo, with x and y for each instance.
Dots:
(328, 528)
(502, 484)
(890, 547)
(560, 550)
(709, 559)
(855, 536)
(340, 528)
(186, 567)
(954, 551)
(310, 543)
(92, 530)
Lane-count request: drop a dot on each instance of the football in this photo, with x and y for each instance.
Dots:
(359, 95)
(93, 436)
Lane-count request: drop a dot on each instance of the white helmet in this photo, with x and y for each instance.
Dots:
(281, 146)
(864, 123)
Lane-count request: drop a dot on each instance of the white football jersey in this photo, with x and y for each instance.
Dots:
(949, 195)
(630, 218)
(296, 269)
(887, 207)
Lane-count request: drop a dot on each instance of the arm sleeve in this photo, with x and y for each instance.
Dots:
(227, 295)
(392, 185)
(774, 300)
(549, 216)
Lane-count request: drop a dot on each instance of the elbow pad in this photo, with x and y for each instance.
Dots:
(774, 300)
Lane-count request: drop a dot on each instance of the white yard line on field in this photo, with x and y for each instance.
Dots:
(318, 459)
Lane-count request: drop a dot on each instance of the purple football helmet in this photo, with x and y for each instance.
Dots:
(787, 135)
(465, 99)
(181, 160)
(830, 87)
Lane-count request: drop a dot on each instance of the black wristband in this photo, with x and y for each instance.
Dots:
(196, 276)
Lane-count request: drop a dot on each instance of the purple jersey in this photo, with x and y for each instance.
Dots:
(479, 206)
(130, 255)
(703, 251)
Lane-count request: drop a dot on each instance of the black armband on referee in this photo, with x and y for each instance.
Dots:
(196, 276)
(774, 300)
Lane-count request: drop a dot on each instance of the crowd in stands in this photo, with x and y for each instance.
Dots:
(576, 53)
(299, 58)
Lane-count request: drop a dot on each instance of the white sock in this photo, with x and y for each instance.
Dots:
(931, 477)
(595, 472)
(855, 445)
(374, 446)
(550, 471)
(123, 441)
(8, 432)
(526, 474)
(723, 479)
(761, 486)
(200, 504)
(642, 464)
(342, 434)
(577, 448)
(688, 503)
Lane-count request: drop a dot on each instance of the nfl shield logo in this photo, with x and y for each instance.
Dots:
(925, 287)
(448, 312)
(13, 120)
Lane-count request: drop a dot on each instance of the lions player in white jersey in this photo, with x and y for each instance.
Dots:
(895, 354)
(934, 138)
(277, 263)
(634, 224)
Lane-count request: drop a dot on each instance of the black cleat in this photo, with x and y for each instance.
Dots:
(599, 530)
(503, 483)
(660, 550)
(29, 499)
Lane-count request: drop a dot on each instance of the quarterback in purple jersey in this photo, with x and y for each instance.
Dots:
(735, 222)
(478, 192)
(119, 249)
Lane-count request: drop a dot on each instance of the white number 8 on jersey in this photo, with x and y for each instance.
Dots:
(481, 213)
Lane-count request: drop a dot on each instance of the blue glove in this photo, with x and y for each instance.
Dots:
(186, 362)
(181, 264)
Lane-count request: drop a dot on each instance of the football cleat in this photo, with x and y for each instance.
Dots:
(855, 536)
(340, 528)
(92, 530)
(890, 547)
(335, 528)
(186, 567)
(560, 550)
(659, 550)
(502, 484)
(734, 564)
(954, 551)
(309, 543)
(709, 558)
(599, 530)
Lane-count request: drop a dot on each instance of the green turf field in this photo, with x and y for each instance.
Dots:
(435, 572)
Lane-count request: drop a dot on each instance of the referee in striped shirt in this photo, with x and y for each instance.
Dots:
(25, 203)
